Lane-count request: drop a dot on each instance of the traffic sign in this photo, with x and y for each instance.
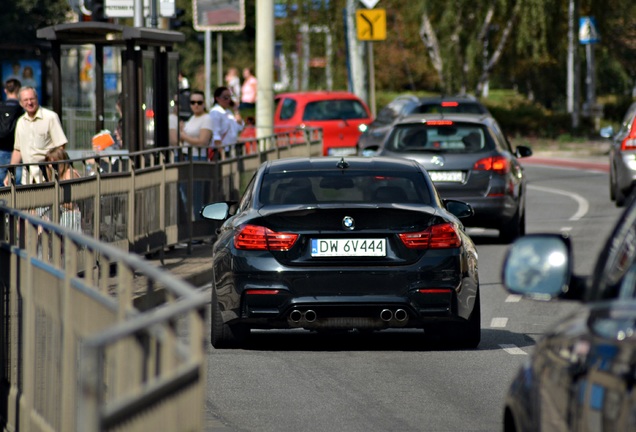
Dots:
(371, 24)
(126, 8)
(588, 34)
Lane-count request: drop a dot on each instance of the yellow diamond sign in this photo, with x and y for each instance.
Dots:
(371, 24)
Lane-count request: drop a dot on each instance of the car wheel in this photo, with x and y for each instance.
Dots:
(469, 334)
(465, 335)
(619, 196)
(224, 335)
(512, 229)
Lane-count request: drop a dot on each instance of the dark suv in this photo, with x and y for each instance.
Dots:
(404, 105)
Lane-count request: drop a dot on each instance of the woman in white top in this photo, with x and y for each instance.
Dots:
(226, 123)
(197, 131)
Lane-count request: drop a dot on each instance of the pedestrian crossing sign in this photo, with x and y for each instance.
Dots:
(588, 34)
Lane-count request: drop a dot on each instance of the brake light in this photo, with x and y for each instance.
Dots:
(262, 291)
(628, 143)
(254, 237)
(442, 236)
(434, 290)
(450, 104)
(498, 164)
(439, 122)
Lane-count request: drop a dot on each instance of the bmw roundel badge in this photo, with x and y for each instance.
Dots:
(348, 223)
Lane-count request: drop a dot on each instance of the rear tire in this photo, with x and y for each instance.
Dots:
(469, 334)
(513, 229)
(224, 335)
(619, 196)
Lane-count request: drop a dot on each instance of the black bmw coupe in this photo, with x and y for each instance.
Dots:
(343, 243)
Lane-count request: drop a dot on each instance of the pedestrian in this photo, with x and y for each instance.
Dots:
(197, 131)
(70, 215)
(226, 123)
(184, 84)
(234, 84)
(37, 131)
(10, 111)
(248, 90)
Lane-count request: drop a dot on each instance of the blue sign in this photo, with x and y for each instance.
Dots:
(587, 31)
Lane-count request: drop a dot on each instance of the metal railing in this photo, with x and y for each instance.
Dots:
(78, 349)
(146, 201)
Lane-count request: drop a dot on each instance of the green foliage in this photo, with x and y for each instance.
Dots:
(20, 19)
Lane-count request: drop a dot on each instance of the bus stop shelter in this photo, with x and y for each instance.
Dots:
(147, 78)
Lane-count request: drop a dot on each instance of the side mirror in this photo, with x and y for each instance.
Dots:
(538, 266)
(217, 211)
(523, 151)
(607, 132)
(459, 208)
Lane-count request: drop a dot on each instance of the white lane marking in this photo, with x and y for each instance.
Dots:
(582, 202)
(512, 349)
(499, 322)
(513, 298)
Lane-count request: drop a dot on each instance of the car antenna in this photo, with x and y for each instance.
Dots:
(343, 164)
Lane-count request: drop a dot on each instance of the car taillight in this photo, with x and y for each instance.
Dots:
(498, 164)
(439, 122)
(253, 237)
(628, 143)
(450, 104)
(442, 236)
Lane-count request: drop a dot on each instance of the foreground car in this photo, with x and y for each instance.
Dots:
(581, 374)
(469, 159)
(404, 105)
(343, 243)
(622, 157)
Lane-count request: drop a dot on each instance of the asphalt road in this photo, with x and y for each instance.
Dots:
(396, 381)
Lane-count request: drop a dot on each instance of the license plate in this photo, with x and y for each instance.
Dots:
(341, 151)
(447, 176)
(348, 247)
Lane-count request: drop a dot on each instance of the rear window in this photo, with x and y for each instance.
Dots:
(450, 107)
(442, 136)
(335, 110)
(344, 187)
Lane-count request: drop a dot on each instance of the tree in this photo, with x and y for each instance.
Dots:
(18, 32)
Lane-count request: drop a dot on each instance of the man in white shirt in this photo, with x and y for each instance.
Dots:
(226, 125)
(36, 132)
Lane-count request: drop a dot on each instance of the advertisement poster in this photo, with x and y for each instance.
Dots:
(28, 72)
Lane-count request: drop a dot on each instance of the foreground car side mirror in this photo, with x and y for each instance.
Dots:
(459, 208)
(217, 211)
(540, 266)
(607, 132)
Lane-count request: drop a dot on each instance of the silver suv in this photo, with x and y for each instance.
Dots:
(622, 157)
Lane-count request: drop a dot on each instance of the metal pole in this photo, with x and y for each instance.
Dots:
(139, 13)
(207, 55)
(371, 78)
(219, 59)
(265, 67)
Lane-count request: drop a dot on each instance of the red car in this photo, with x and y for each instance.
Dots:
(342, 116)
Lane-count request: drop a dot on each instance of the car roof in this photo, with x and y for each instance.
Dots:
(459, 98)
(328, 163)
(484, 119)
(318, 95)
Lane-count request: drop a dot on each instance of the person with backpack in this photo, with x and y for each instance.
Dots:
(10, 111)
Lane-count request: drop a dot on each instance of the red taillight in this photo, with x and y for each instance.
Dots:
(450, 104)
(498, 164)
(262, 292)
(628, 143)
(253, 237)
(439, 122)
(434, 290)
(442, 236)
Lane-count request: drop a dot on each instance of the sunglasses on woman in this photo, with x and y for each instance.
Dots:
(196, 102)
